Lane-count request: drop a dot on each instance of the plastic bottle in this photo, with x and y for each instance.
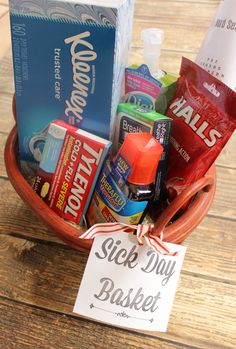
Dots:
(143, 153)
(147, 85)
(152, 41)
(127, 184)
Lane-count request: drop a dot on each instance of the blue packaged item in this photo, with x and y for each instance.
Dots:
(69, 60)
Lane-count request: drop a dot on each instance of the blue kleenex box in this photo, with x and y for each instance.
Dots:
(69, 59)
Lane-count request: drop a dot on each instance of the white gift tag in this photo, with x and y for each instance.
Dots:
(129, 285)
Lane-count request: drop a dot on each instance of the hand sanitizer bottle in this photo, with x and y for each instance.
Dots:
(146, 84)
(152, 41)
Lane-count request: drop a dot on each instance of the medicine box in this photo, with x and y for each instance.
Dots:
(71, 162)
(69, 59)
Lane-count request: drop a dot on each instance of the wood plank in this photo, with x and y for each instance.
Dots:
(5, 31)
(6, 73)
(6, 117)
(211, 250)
(184, 41)
(4, 2)
(18, 218)
(3, 11)
(2, 164)
(228, 154)
(224, 203)
(37, 328)
(192, 1)
(49, 277)
(182, 12)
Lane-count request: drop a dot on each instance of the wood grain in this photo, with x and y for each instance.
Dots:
(6, 73)
(6, 118)
(18, 218)
(37, 328)
(184, 23)
(224, 204)
(4, 3)
(227, 157)
(211, 250)
(173, 12)
(38, 275)
(3, 138)
(5, 31)
(3, 10)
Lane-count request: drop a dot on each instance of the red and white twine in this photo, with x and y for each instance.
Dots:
(143, 234)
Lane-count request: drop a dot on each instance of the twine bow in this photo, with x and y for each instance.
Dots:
(143, 234)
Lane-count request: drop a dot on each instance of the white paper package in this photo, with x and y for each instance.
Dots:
(218, 50)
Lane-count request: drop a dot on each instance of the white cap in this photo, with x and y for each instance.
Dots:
(153, 38)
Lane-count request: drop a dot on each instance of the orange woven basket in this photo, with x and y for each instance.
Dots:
(202, 192)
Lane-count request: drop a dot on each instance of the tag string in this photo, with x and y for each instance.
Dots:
(143, 234)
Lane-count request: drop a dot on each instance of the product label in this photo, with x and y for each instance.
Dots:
(58, 77)
(110, 203)
(129, 124)
(141, 88)
(205, 130)
(203, 120)
(83, 58)
(132, 286)
(161, 133)
(72, 160)
(120, 170)
(81, 163)
(217, 54)
(73, 177)
(110, 192)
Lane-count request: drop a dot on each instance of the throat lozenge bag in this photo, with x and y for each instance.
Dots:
(204, 117)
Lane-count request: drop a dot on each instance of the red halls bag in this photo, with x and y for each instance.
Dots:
(204, 117)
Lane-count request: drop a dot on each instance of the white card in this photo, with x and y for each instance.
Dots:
(129, 285)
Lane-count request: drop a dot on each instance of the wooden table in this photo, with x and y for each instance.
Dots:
(40, 275)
